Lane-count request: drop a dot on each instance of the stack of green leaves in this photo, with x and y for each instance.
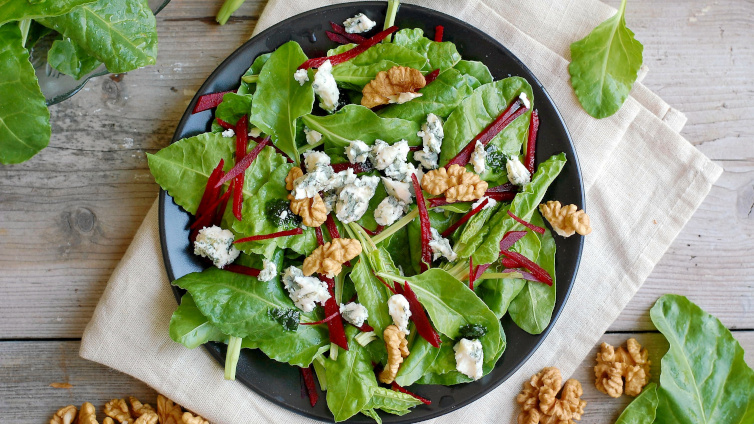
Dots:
(122, 34)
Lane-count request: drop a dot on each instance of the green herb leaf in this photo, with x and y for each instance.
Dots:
(442, 56)
(17, 10)
(391, 401)
(605, 64)
(24, 118)
(372, 294)
(440, 97)
(418, 363)
(69, 58)
(233, 107)
(704, 377)
(189, 327)
(359, 71)
(476, 73)
(254, 69)
(350, 379)
(641, 410)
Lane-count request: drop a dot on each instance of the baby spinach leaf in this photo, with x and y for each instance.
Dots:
(417, 364)
(479, 110)
(359, 71)
(391, 401)
(69, 58)
(17, 10)
(350, 379)
(476, 73)
(24, 118)
(605, 64)
(233, 107)
(255, 69)
(372, 294)
(442, 56)
(189, 327)
(443, 370)
(279, 99)
(641, 410)
(122, 34)
(474, 231)
(704, 377)
(440, 97)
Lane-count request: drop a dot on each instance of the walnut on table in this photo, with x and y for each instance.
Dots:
(622, 370)
(88, 414)
(566, 220)
(292, 176)
(168, 411)
(540, 403)
(64, 415)
(312, 211)
(328, 259)
(391, 83)
(189, 418)
(397, 349)
(117, 409)
(458, 184)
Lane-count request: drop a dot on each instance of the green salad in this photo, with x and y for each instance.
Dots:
(368, 216)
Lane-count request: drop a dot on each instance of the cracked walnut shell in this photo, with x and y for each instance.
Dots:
(168, 411)
(397, 349)
(390, 84)
(65, 415)
(292, 176)
(566, 220)
(458, 184)
(622, 370)
(117, 409)
(189, 418)
(540, 403)
(328, 259)
(312, 211)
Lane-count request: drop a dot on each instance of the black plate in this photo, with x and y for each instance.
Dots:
(279, 382)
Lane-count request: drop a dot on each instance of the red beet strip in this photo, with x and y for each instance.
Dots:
(350, 54)
(415, 148)
(398, 388)
(320, 239)
(221, 209)
(293, 232)
(365, 328)
(358, 168)
(311, 388)
(531, 143)
(426, 234)
(210, 191)
(439, 30)
(513, 111)
(479, 271)
(432, 76)
(244, 164)
(224, 124)
(376, 230)
(242, 144)
(418, 316)
(528, 225)
(508, 263)
(536, 270)
(510, 238)
(353, 38)
(465, 218)
(322, 321)
(331, 227)
(472, 273)
(389, 287)
(337, 38)
(335, 326)
(208, 101)
(502, 188)
(207, 218)
(240, 269)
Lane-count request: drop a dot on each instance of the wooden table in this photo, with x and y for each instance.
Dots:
(68, 215)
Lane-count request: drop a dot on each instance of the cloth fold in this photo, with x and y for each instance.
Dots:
(643, 182)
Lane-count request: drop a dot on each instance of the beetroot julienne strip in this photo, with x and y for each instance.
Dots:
(376, 230)
(365, 327)
(293, 232)
(536, 270)
(335, 326)
(350, 54)
(426, 235)
(398, 388)
(510, 238)
(225, 125)
(210, 191)
(337, 38)
(277, 149)
(209, 216)
(331, 227)
(472, 273)
(531, 143)
(418, 316)
(242, 144)
(512, 112)
(322, 321)
(502, 188)
(358, 168)
(208, 101)
(311, 388)
(508, 262)
(528, 225)
(465, 218)
(502, 197)
(439, 30)
(221, 209)
(244, 164)
(240, 269)
(353, 38)
(432, 76)
(479, 271)
(415, 148)
(320, 239)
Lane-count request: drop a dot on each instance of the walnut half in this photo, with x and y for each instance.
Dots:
(168, 411)
(391, 84)
(328, 259)
(540, 403)
(622, 370)
(117, 409)
(64, 415)
(397, 349)
(458, 184)
(566, 220)
(312, 211)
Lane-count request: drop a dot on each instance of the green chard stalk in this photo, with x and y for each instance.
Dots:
(231, 357)
(228, 8)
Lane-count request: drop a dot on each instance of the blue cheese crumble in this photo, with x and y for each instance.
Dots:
(389, 211)
(517, 172)
(441, 247)
(432, 135)
(228, 133)
(358, 151)
(402, 98)
(305, 292)
(525, 100)
(326, 88)
(398, 189)
(341, 179)
(479, 157)
(354, 313)
(428, 160)
(312, 137)
(216, 244)
(353, 200)
(301, 76)
(314, 160)
(358, 24)
(383, 154)
(269, 269)
(400, 311)
(401, 171)
(311, 183)
(469, 358)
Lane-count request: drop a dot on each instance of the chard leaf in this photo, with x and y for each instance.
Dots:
(18, 10)
(121, 34)
(372, 294)
(233, 107)
(440, 97)
(481, 108)
(476, 73)
(641, 410)
(442, 56)
(605, 64)
(350, 379)
(24, 118)
(474, 231)
(418, 363)
(704, 377)
(279, 99)
(443, 370)
(391, 401)
(359, 71)
(69, 58)
(189, 327)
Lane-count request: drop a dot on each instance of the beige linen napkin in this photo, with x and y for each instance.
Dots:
(643, 182)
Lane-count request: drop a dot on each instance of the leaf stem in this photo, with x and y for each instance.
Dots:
(250, 78)
(364, 238)
(392, 10)
(499, 275)
(231, 357)
(24, 25)
(389, 231)
(227, 9)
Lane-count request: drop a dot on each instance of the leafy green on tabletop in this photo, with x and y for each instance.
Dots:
(350, 379)
(24, 118)
(440, 97)
(641, 410)
(70, 59)
(279, 99)
(704, 378)
(17, 10)
(605, 64)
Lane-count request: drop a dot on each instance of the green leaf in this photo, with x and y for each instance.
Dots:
(476, 73)
(17, 10)
(442, 56)
(24, 118)
(474, 231)
(372, 294)
(69, 58)
(254, 69)
(121, 34)
(391, 401)
(189, 327)
(279, 99)
(443, 370)
(418, 363)
(704, 377)
(233, 107)
(350, 379)
(641, 410)
(477, 111)
(440, 97)
(605, 64)
(359, 71)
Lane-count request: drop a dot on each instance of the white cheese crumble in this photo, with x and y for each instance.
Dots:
(441, 247)
(398, 189)
(354, 313)
(305, 292)
(432, 135)
(517, 172)
(330, 200)
(358, 24)
(389, 211)
(216, 244)
(403, 97)
(312, 137)
(353, 200)
(269, 270)
(326, 88)
(490, 203)
(314, 159)
(384, 154)
(525, 100)
(341, 179)
(301, 76)
(358, 151)
(228, 133)
(255, 132)
(400, 311)
(479, 157)
(469, 358)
